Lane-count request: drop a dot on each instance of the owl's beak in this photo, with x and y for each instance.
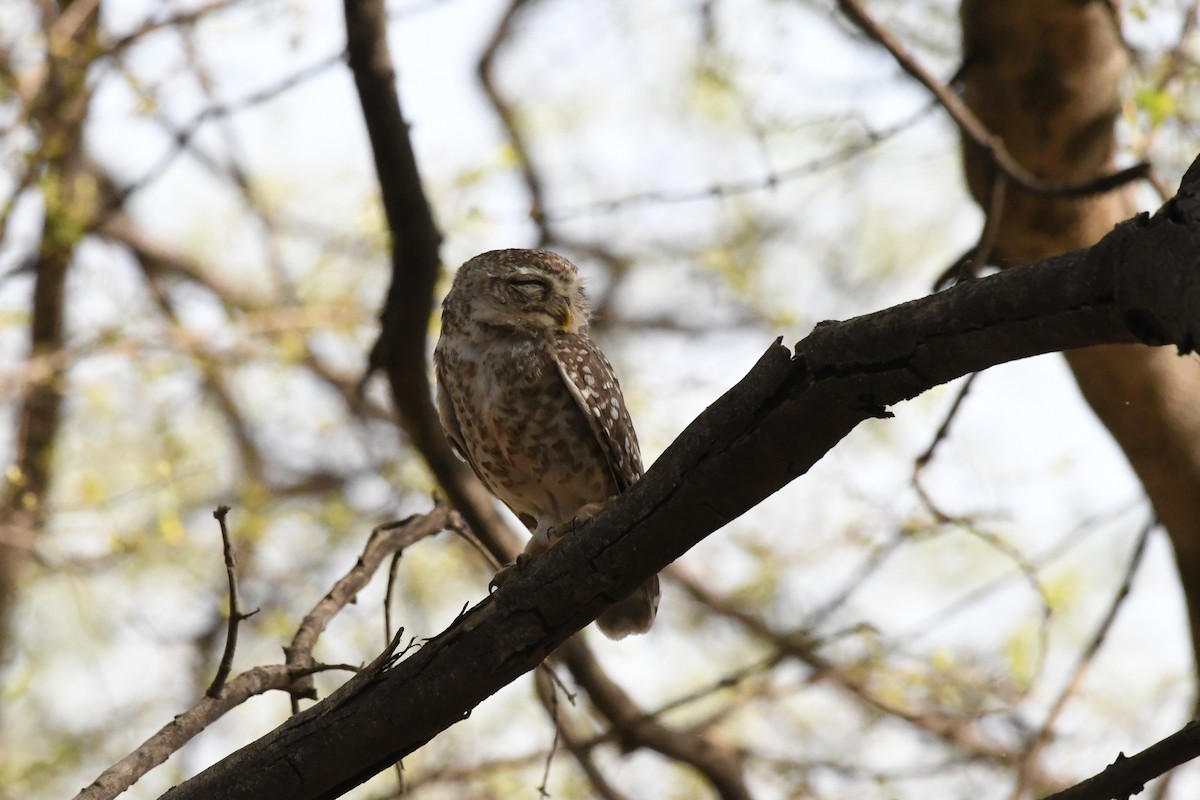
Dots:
(566, 319)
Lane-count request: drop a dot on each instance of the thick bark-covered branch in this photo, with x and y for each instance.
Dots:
(1141, 283)
(1128, 775)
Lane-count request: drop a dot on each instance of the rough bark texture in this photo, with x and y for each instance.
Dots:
(1045, 76)
(1139, 284)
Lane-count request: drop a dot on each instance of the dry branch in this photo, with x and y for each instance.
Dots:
(1127, 776)
(236, 615)
(385, 540)
(1045, 732)
(1139, 284)
(298, 670)
(179, 731)
(975, 130)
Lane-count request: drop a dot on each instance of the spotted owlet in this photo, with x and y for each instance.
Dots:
(530, 402)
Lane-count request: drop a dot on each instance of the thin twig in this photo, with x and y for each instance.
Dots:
(393, 568)
(235, 614)
(180, 730)
(971, 262)
(384, 540)
(507, 117)
(1044, 733)
(553, 712)
(182, 135)
(169, 22)
(548, 237)
(870, 138)
(960, 734)
(965, 523)
(572, 739)
(721, 765)
(923, 627)
(943, 431)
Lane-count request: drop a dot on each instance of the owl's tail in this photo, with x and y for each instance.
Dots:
(634, 614)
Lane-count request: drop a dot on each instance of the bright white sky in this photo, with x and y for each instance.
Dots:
(607, 86)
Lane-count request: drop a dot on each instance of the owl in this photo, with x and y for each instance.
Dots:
(529, 401)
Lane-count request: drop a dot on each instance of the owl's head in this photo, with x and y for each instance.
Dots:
(531, 291)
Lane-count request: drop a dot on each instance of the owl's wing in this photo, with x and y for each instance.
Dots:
(450, 424)
(591, 380)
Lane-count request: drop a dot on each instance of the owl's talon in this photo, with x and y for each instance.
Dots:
(505, 573)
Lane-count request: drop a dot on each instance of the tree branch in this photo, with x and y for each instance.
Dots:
(298, 670)
(180, 730)
(1138, 284)
(384, 541)
(635, 729)
(572, 740)
(400, 349)
(236, 615)
(974, 129)
(1033, 749)
(1127, 776)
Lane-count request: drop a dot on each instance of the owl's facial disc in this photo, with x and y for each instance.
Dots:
(530, 300)
(528, 287)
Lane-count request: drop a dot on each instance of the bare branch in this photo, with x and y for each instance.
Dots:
(922, 461)
(1127, 776)
(574, 742)
(182, 135)
(1028, 760)
(975, 130)
(547, 235)
(236, 615)
(384, 541)
(179, 731)
(484, 70)
(799, 646)
(298, 670)
(720, 765)
(870, 138)
(176, 21)
(1136, 284)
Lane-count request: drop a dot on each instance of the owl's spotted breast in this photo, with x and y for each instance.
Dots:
(532, 404)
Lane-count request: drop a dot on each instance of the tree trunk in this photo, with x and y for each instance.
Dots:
(57, 110)
(1045, 76)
